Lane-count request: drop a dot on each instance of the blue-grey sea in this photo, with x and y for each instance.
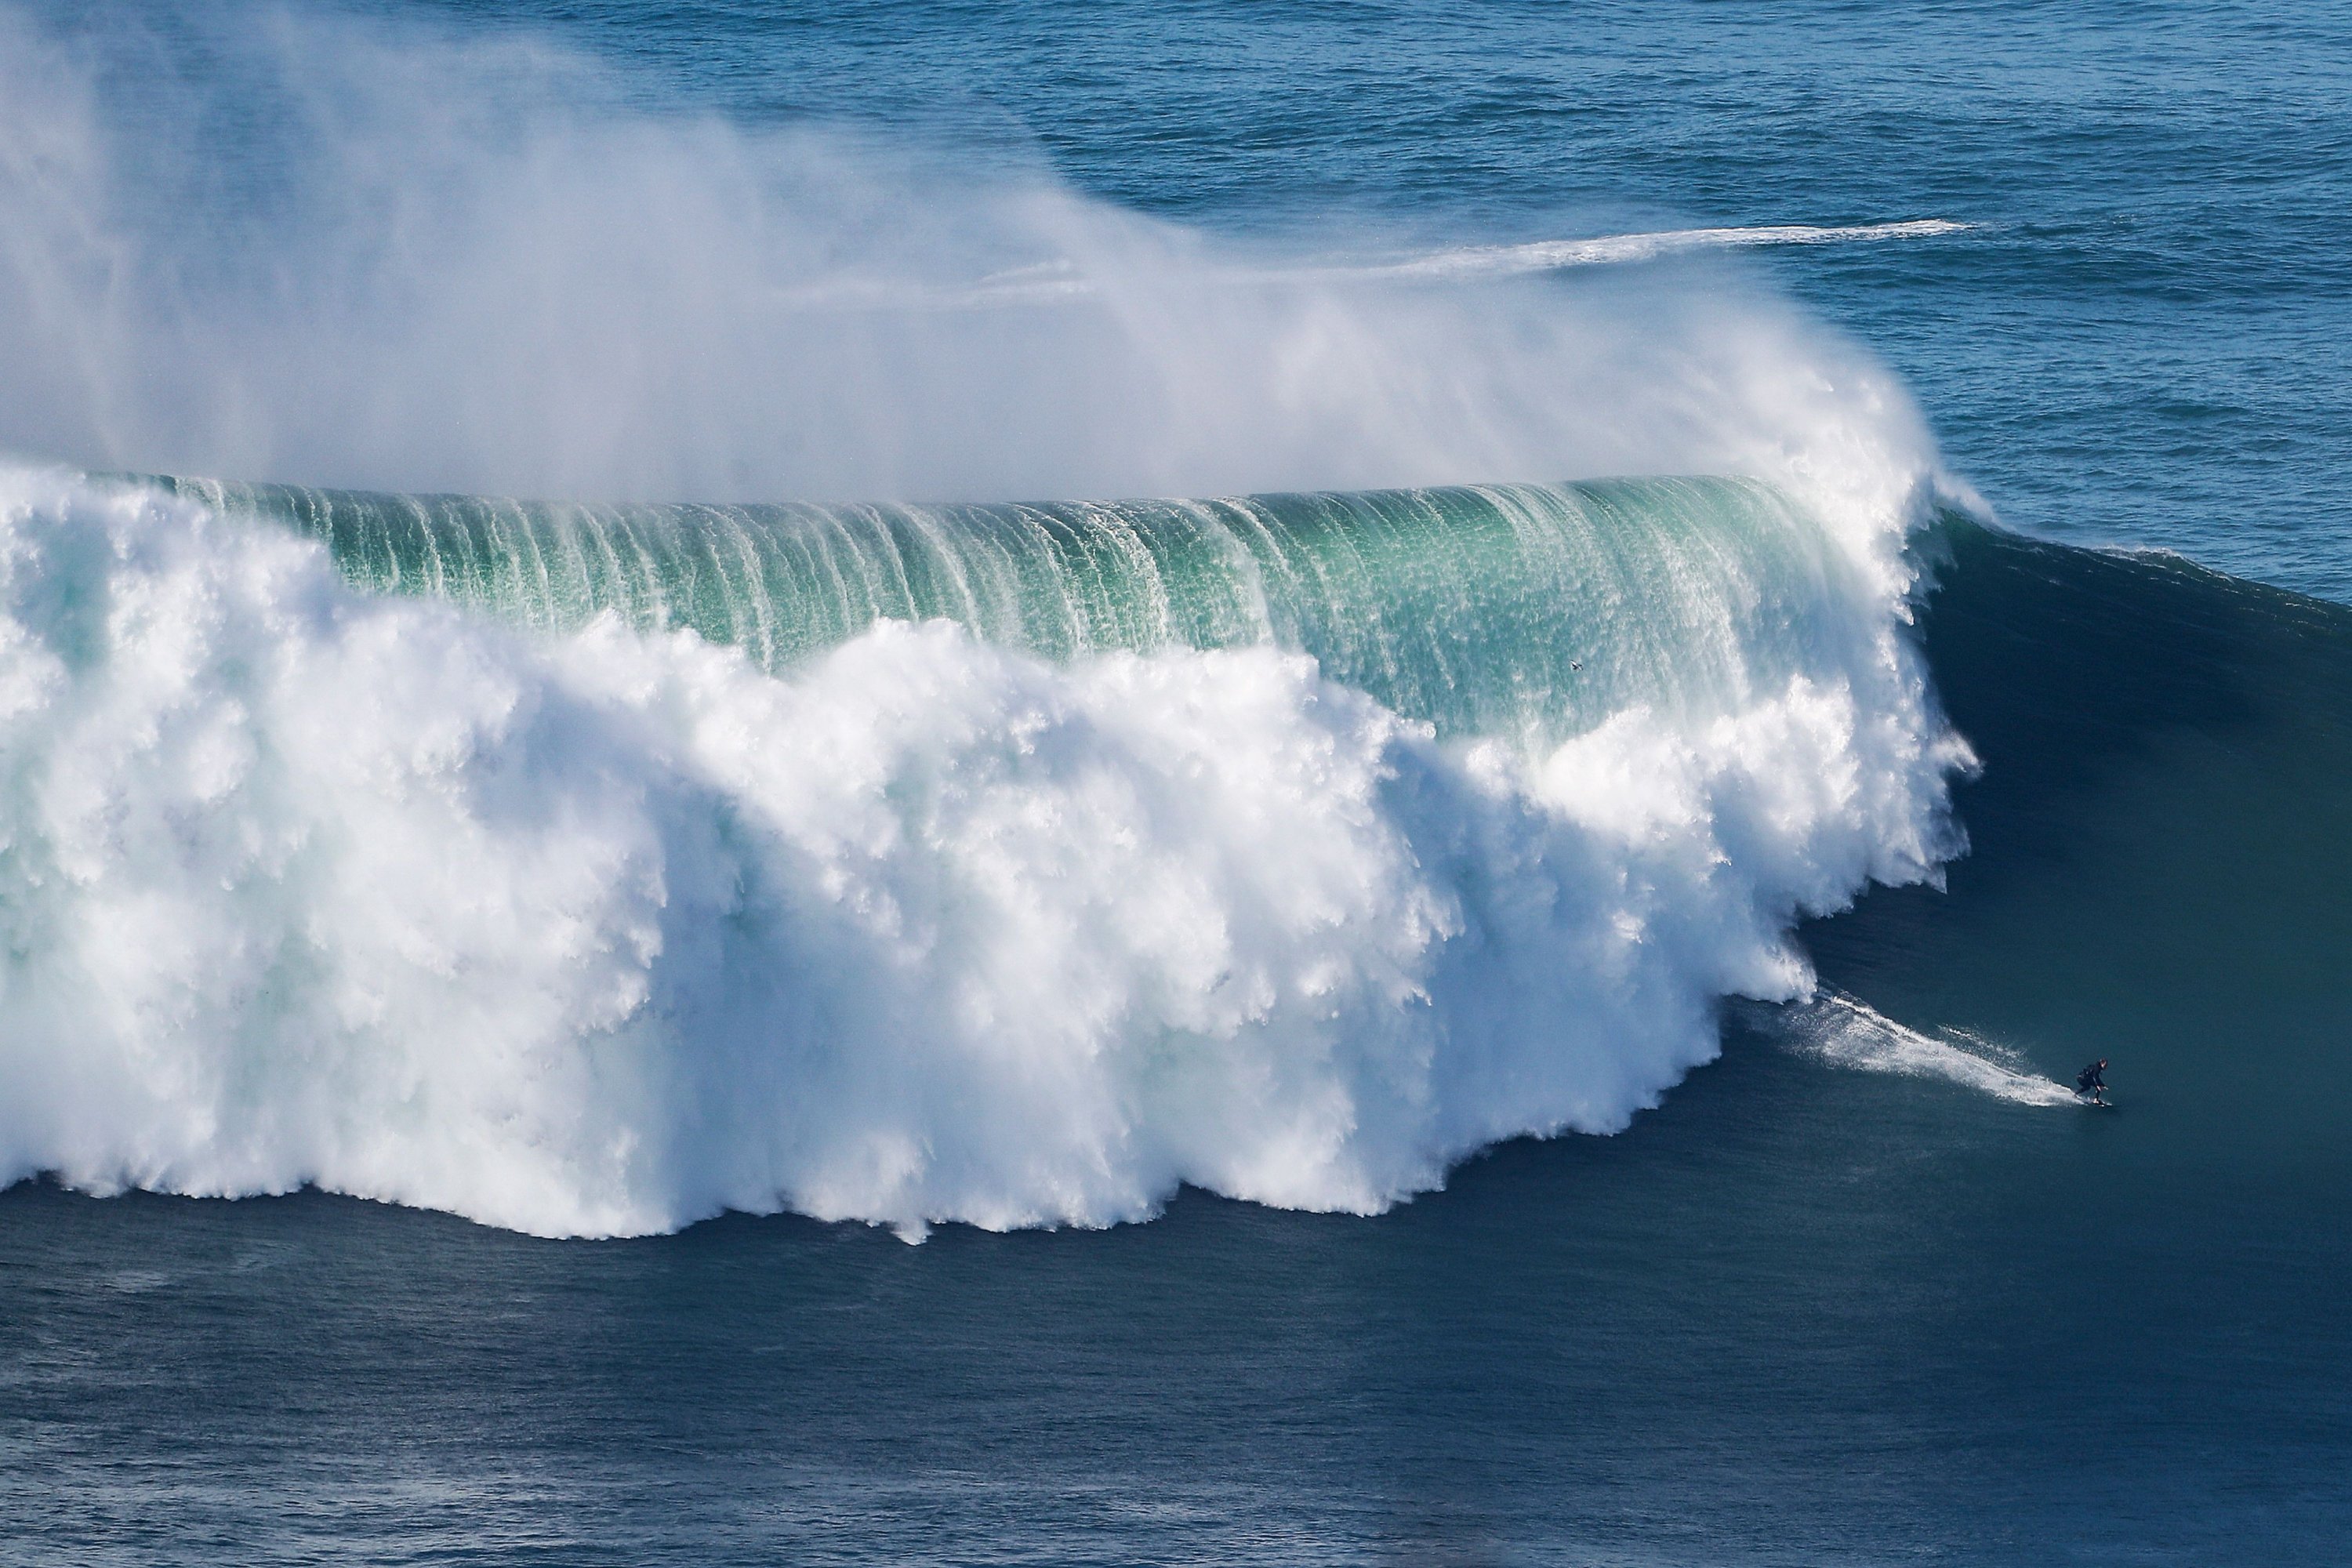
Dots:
(1496, 981)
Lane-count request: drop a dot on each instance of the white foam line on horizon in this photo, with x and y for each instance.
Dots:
(1838, 1029)
(1044, 282)
(1555, 254)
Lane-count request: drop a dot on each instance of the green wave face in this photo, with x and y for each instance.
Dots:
(1528, 610)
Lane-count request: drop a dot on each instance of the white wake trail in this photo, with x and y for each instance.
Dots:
(1845, 1032)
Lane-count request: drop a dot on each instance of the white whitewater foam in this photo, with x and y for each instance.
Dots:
(1845, 1032)
(605, 934)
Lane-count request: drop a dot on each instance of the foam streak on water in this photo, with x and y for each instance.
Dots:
(1612, 249)
(1459, 264)
(1843, 1031)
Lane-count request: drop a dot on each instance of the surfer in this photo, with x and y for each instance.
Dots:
(2093, 1081)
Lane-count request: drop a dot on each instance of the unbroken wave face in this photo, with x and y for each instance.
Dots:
(593, 869)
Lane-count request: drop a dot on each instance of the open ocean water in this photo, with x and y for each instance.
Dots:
(1494, 981)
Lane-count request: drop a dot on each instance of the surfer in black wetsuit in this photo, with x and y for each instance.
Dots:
(2093, 1080)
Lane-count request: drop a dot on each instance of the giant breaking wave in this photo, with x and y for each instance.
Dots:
(1009, 866)
(590, 869)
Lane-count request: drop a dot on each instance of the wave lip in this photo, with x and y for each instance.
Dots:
(1519, 611)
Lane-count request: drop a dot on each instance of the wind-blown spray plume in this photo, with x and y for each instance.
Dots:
(488, 269)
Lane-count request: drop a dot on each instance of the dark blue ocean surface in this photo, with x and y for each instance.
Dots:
(1797, 1313)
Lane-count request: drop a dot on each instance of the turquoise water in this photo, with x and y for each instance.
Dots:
(447, 866)
(1495, 611)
